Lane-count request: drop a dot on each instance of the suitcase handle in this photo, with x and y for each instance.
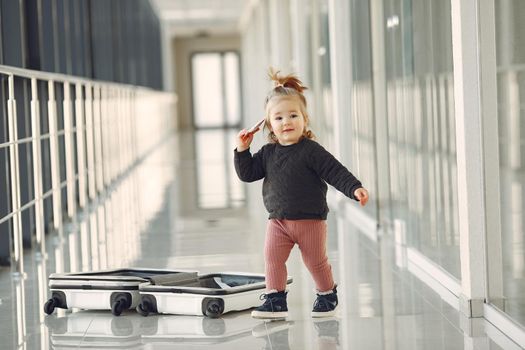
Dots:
(171, 278)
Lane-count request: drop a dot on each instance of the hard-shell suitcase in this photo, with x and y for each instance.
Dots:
(211, 295)
(115, 290)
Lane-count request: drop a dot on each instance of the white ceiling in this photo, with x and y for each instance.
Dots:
(194, 17)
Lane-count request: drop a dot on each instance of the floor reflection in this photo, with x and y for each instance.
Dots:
(327, 333)
(18, 291)
(95, 330)
(197, 330)
(217, 185)
(103, 330)
(275, 333)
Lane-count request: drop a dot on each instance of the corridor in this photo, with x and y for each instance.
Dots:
(118, 121)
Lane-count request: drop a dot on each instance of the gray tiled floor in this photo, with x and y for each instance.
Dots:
(153, 219)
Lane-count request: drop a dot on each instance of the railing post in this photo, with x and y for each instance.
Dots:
(133, 125)
(54, 155)
(85, 252)
(68, 141)
(37, 169)
(120, 149)
(17, 256)
(90, 129)
(81, 158)
(99, 166)
(126, 121)
(112, 129)
(105, 141)
(93, 238)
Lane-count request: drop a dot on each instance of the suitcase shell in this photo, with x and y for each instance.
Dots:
(211, 295)
(114, 290)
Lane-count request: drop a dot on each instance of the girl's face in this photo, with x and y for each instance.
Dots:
(286, 119)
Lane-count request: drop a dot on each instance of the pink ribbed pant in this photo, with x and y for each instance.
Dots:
(310, 236)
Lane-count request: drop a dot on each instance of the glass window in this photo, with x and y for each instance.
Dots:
(216, 89)
(510, 50)
(48, 43)
(102, 49)
(421, 127)
(13, 42)
(363, 123)
(323, 91)
(208, 103)
(232, 88)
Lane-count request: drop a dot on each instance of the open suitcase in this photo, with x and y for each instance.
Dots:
(211, 295)
(116, 290)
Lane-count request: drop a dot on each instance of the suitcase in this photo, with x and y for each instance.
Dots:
(116, 290)
(210, 295)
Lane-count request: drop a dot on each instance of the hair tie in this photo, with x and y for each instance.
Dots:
(279, 85)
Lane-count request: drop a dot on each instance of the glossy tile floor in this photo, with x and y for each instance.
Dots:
(185, 210)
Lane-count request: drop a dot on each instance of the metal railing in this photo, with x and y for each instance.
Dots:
(96, 131)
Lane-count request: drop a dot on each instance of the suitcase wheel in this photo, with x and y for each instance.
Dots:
(144, 308)
(49, 306)
(213, 308)
(117, 308)
(58, 299)
(120, 302)
(147, 305)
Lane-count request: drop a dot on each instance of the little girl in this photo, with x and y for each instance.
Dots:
(295, 170)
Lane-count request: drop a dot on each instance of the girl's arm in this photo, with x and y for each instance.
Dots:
(335, 173)
(249, 168)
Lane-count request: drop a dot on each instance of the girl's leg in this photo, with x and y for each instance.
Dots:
(277, 247)
(311, 237)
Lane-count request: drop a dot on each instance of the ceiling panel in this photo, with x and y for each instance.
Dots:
(190, 17)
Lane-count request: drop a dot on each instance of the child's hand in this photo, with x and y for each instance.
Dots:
(244, 139)
(361, 194)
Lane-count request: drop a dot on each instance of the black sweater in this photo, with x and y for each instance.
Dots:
(294, 184)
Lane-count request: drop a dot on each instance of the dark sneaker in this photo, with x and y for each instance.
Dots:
(325, 304)
(274, 306)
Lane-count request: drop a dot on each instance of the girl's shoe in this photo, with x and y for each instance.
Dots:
(274, 306)
(325, 304)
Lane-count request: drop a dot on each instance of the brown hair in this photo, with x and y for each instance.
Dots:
(286, 86)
